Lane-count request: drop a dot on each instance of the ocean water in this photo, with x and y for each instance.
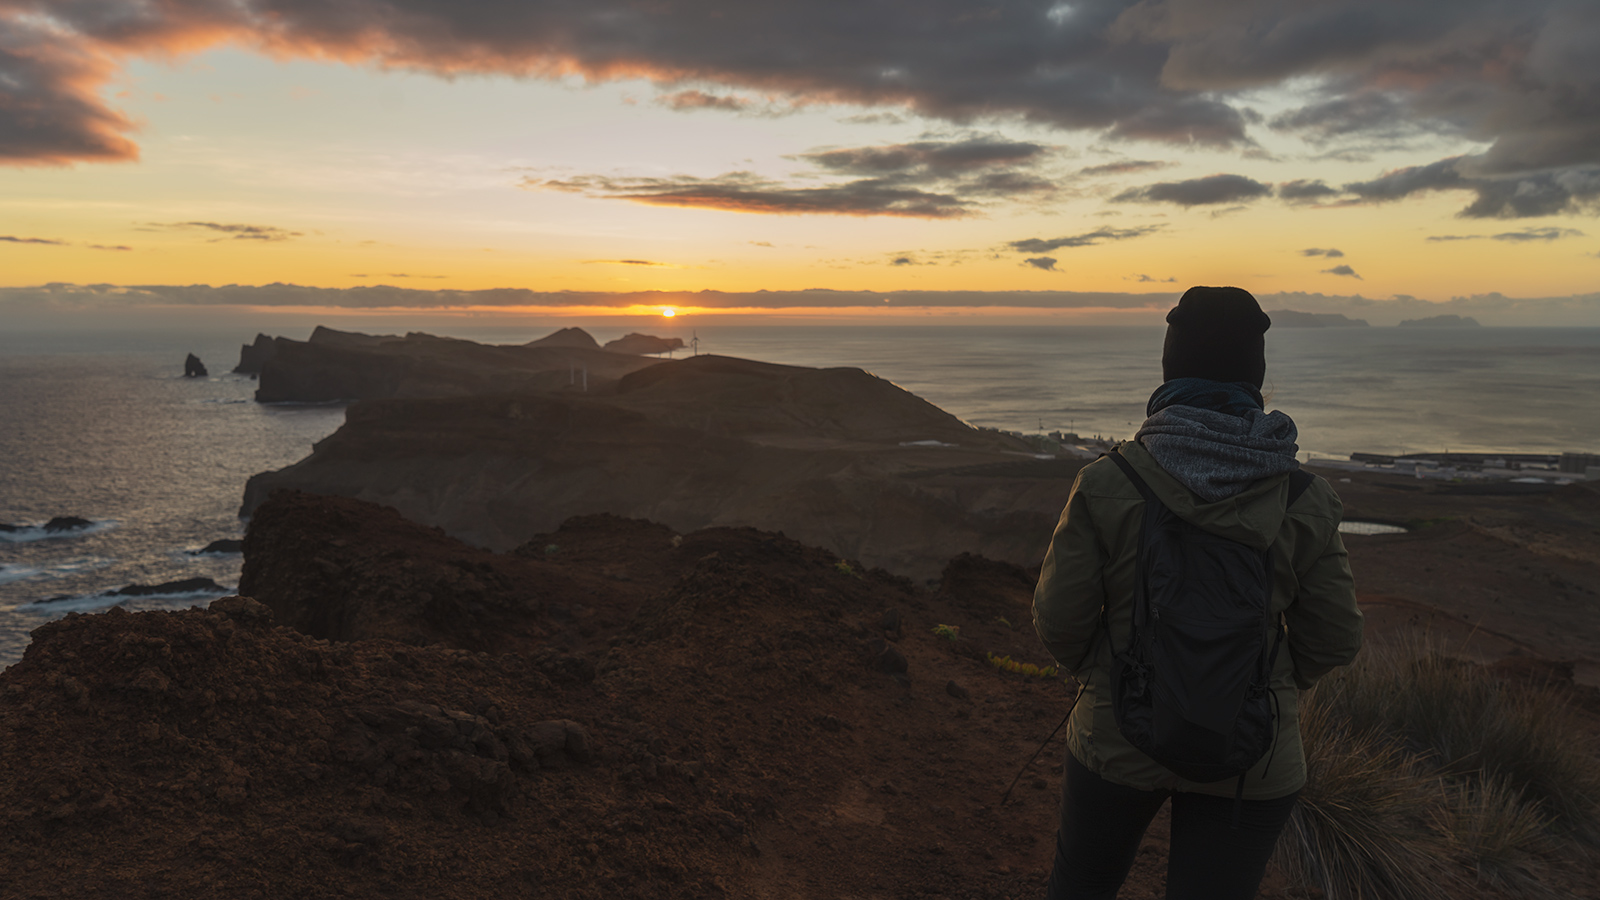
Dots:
(105, 428)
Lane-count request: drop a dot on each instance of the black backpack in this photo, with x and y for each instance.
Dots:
(1191, 689)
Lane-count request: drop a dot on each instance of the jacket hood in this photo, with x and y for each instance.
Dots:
(1252, 517)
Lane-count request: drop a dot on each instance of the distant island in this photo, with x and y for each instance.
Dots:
(1445, 321)
(1293, 318)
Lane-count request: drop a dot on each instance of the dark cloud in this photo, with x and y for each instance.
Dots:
(1042, 262)
(234, 231)
(1367, 113)
(1317, 251)
(1305, 191)
(903, 261)
(1197, 191)
(1125, 168)
(1515, 237)
(1087, 239)
(51, 111)
(1342, 270)
(1146, 279)
(1525, 196)
(926, 179)
(1519, 77)
(10, 239)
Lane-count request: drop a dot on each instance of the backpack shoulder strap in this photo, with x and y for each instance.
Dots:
(1299, 481)
(1133, 476)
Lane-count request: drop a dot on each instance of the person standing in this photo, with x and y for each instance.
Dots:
(1213, 456)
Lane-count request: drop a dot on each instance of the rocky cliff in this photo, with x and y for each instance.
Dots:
(335, 365)
(828, 456)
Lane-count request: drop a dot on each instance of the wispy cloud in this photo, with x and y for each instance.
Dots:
(1126, 167)
(235, 232)
(1330, 252)
(11, 239)
(1046, 263)
(51, 242)
(1527, 235)
(628, 262)
(1212, 189)
(1303, 190)
(1087, 239)
(1342, 270)
(923, 179)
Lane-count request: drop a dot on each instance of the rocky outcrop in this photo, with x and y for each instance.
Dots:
(66, 523)
(644, 344)
(566, 337)
(815, 453)
(255, 355)
(336, 365)
(193, 367)
(670, 749)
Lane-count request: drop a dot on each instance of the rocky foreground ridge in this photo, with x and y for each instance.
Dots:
(837, 458)
(614, 710)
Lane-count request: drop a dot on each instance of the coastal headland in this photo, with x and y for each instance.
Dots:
(707, 628)
(838, 458)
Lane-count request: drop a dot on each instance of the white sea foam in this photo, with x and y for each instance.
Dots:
(27, 534)
(9, 574)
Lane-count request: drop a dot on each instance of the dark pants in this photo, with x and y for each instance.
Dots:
(1102, 824)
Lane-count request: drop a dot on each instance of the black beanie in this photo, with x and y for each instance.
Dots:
(1216, 333)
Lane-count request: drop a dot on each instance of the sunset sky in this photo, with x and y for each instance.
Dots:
(1355, 150)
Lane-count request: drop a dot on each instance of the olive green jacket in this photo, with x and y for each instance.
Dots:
(1092, 564)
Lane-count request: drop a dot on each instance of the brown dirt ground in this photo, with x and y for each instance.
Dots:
(610, 710)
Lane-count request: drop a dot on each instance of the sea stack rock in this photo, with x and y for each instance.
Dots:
(193, 367)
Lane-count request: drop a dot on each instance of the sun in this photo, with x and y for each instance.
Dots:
(669, 312)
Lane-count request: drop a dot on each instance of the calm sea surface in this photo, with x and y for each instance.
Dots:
(107, 429)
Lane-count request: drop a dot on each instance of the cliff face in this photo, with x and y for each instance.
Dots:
(253, 356)
(817, 454)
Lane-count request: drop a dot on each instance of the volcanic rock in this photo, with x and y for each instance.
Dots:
(66, 523)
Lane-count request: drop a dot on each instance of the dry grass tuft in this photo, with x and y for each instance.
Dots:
(1359, 830)
(1422, 768)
